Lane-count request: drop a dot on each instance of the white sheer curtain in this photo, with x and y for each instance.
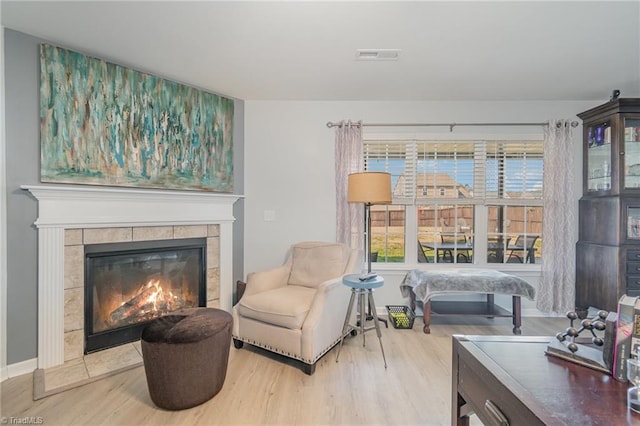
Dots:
(348, 153)
(556, 292)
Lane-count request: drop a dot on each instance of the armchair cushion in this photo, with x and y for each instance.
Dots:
(316, 262)
(286, 306)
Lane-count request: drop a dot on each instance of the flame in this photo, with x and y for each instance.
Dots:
(159, 299)
(150, 301)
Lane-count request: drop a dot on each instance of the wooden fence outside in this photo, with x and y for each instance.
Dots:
(515, 218)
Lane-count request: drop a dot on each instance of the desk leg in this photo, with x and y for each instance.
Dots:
(427, 317)
(517, 315)
(461, 418)
(459, 415)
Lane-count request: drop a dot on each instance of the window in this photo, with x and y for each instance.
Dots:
(458, 201)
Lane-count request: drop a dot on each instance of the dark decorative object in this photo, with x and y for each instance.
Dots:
(615, 94)
(569, 345)
(587, 324)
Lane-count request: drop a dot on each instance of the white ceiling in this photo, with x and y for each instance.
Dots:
(294, 50)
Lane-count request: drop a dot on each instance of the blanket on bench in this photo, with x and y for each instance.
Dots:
(427, 284)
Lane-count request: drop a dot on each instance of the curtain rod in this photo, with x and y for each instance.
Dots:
(449, 125)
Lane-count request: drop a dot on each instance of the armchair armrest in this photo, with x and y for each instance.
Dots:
(327, 293)
(324, 322)
(258, 282)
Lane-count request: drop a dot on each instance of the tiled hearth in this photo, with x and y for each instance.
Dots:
(72, 216)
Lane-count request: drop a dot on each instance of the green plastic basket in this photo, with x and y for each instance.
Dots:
(401, 317)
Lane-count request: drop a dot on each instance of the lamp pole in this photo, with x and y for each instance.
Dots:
(367, 220)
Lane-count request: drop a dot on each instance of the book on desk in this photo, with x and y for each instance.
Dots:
(627, 306)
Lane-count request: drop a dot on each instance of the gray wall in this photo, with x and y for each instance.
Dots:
(22, 157)
(238, 185)
(22, 81)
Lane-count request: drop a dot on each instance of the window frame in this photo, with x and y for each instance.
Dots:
(480, 221)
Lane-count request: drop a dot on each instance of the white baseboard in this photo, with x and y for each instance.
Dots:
(4, 375)
(22, 367)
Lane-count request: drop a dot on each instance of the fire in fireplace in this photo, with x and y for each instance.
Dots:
(129, 284)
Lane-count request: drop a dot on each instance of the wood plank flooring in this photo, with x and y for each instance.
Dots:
(265, 389)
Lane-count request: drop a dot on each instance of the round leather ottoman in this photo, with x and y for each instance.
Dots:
(185, 356)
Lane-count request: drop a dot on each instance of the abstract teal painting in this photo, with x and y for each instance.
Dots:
(104, 124)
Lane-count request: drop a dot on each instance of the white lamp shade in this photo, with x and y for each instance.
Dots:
(369, 187)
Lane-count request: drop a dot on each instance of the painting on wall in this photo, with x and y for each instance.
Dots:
(104, 124)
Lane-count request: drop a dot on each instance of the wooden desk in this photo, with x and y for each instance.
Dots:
(511, 376)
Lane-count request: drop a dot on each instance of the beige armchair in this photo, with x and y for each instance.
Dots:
(297, 309)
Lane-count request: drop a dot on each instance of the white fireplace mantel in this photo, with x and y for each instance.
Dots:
(72, 206)
(63, 207)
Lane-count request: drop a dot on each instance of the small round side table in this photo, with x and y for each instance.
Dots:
(363, 290)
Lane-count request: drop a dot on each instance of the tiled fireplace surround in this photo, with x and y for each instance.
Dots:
(70, 217)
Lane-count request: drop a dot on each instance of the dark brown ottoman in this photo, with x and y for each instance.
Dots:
(185, 356)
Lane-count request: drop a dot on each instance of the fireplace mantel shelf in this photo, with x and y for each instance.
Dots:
(76, 206)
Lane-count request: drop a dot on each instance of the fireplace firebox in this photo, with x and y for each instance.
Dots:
(129, 284)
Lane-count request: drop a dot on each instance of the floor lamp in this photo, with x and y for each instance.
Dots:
(369, 188)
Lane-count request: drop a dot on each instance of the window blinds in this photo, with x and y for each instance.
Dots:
(514, 170)
(427, 172)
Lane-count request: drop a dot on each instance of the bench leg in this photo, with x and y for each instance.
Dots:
(412, 300)
(490, 304)
(427, 317)
(516, 312)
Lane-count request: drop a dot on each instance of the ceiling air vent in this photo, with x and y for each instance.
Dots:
(377, 54)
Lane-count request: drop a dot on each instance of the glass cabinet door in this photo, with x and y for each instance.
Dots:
(631, 154)
(599, 157)
(633, 222)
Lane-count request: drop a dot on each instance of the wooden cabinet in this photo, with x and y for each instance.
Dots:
(608, 250)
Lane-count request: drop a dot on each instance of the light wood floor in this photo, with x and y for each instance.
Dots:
(261, 388)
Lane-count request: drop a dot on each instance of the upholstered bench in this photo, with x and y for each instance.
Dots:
(185, 356)
(423, 286)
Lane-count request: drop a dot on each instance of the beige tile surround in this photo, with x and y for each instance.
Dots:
(79, 369)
